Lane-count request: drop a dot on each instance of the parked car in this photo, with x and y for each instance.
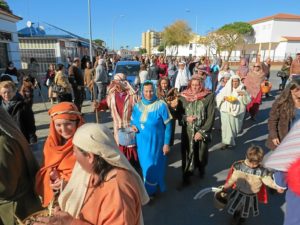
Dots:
(130, 68)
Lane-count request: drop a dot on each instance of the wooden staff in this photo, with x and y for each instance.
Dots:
(94, 100)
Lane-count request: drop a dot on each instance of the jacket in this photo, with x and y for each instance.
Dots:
(278, 125)
(22, 114)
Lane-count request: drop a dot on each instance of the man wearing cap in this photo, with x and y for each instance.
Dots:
(295, 67)
(77, 82)
(202, 72)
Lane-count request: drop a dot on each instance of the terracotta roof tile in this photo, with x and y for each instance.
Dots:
(286, 38)
(279, 16)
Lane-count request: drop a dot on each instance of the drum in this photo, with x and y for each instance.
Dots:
(126, 137)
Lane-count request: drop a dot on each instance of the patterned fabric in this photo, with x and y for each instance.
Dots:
(287, 152)
(244, 203)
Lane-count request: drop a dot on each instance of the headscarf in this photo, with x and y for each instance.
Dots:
(190, 96)
(253, 81)
(120, 84)
(231, 108)
(57, 156)
(243, 69)
(154, 97)
(8, 127)
(96, 139)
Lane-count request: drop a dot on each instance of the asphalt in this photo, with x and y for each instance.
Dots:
(178, 207)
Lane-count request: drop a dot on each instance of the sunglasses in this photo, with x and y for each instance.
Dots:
(257, 66)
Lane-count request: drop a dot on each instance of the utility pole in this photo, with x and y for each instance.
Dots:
(90, 30)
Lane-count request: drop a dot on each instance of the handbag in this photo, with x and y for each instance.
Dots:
(57, 88)
(281, 74)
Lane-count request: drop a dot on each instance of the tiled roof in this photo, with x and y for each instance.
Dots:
(286, 38)
(279, 16)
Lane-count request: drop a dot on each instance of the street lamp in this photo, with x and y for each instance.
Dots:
(90, 30)
(188, 11)
(113, 30)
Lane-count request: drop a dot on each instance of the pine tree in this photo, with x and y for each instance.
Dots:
(4, 6)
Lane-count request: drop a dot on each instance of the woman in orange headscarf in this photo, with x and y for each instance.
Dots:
(58, 150)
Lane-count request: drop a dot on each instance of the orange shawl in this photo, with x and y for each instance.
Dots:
(56, 156)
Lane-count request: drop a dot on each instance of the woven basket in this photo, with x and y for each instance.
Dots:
(31, 219)
(220, 199)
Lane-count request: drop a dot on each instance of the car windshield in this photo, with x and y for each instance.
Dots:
(128, 70)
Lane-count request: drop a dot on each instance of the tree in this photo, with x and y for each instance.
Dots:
(4, 6)
(143, 51)
(229, 36)
(161, 48)
(178, 33)
(99, 42)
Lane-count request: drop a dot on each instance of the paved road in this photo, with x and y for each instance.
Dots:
(178, 207)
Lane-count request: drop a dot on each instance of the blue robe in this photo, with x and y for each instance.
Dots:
(292, 216)
(153, 120)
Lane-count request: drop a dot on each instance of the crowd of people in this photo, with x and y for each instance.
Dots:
(90, 175)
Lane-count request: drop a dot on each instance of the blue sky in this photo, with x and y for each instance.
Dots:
(140, 16)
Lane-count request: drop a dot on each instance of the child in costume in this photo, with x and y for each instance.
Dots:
(247, 178)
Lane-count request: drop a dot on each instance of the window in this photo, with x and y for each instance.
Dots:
(3, 55)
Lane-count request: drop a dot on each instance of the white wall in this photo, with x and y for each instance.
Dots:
(263, 31)
(13, 46)
(280, 51)
(285, 28)
(293, 47)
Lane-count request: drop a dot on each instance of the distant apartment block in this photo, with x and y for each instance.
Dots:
(150, 40)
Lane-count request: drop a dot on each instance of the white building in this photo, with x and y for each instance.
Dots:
(9, 42)
(276, 36)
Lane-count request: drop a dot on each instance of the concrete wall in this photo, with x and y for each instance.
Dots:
(285, 28)
(13, 46)
(263, 31)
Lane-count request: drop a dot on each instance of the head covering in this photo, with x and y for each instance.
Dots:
(287, 152)
(203, 69)
(190, 96)
(56, 155)
(96, 139)
(154, 97)
(8, 127)
(120, 84)
(228, 107)
(223, 74)
(243, 69)
(101, 61)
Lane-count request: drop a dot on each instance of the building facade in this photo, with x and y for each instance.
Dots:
(151, 40)
(9, 43)
(275, 37)
(50, 48)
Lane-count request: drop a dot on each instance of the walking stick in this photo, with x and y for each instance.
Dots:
(43, 100)
(94, 97)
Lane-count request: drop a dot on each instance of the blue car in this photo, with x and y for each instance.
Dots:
(130, 68)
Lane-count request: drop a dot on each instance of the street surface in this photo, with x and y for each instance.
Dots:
(178, 207)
